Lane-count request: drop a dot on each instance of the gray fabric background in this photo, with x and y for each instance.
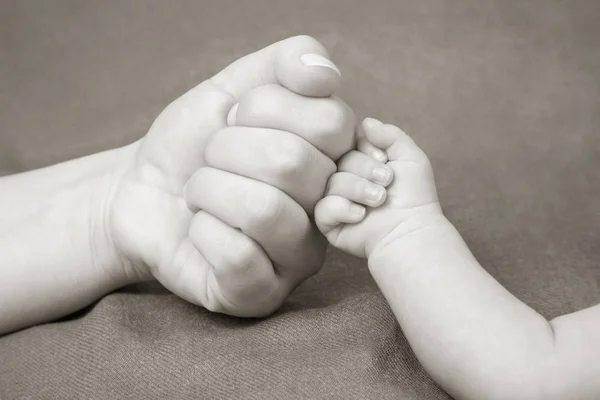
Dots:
(503, 95)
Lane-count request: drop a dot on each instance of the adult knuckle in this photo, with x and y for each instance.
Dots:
(213, 305)
(198, 175)
(258, 103)
(241, 253)
(289, 158)
(266, 208)
(306, 41)
(195, 227)
(261, 297)
(193, 185)
(217, 142)
(334, 118)
(270, 288)
(271, 298)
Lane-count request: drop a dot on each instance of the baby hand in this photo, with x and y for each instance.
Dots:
(401, 194)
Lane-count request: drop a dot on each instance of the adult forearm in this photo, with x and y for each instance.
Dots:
(474, 337)
(24, 193)
(56, 254)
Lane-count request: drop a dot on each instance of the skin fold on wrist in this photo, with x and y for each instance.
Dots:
(428, 222)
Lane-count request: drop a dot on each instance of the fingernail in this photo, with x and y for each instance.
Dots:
(232, 116)
(317, 60)
(381, 175)
(357, 210)
(374, 193)
(379, 156)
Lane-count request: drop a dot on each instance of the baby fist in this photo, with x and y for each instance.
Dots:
(400, 193)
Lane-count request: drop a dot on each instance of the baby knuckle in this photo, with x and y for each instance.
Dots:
(327, 170)
(334, 183)
(357, 189)
(349, 161)
(336, 179)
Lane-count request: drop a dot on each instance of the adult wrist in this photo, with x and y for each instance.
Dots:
(105, 252)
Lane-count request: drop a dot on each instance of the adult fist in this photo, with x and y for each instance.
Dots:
(201, 247)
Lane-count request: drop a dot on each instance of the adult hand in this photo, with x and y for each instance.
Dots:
(217, 202)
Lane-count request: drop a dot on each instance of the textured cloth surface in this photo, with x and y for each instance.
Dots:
(504, 96)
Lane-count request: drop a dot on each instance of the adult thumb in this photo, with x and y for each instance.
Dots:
(299, 63)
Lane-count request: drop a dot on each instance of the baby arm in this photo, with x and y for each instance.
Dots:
(474, 338)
